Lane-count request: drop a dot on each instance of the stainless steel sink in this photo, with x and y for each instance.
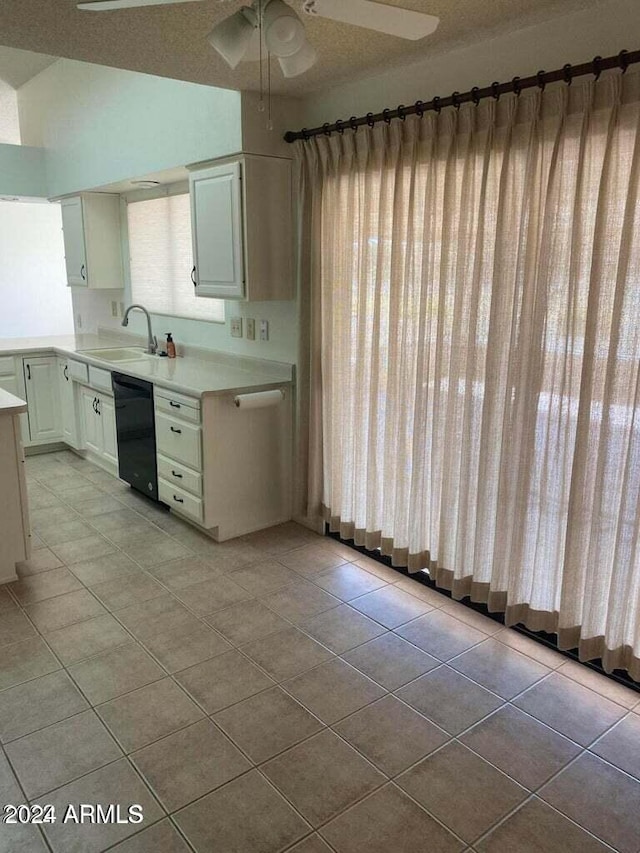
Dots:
(117, 356)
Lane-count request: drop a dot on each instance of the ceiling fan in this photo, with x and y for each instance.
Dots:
(276, 28)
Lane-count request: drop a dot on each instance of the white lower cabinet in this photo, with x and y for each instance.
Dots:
(68, 405)
(107, 414)
(12, 380)
(43, 399)
(98, 419)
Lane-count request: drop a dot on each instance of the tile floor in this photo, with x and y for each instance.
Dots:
(281, 693)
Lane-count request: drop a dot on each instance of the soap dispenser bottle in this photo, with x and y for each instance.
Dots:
(171, 347)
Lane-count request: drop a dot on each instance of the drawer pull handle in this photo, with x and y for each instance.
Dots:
(175, 474)
(175, 429)
(175, 405)
(179, 500)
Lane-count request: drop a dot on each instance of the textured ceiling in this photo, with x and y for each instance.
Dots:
(170, 41)
(18, 66)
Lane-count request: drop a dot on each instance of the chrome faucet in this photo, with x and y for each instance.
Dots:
(152, 343)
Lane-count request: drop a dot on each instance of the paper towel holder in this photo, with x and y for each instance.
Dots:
(260, 399)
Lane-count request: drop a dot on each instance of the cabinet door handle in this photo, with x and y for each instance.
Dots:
(175, 474)
(193, 277)
(175, 405)
(29, 371)
(82, 275)
(66, 372)
(174, 429)
(98, 401)
(178, 500)
(95, 405)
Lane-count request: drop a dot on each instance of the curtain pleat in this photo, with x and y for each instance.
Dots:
(470, 351)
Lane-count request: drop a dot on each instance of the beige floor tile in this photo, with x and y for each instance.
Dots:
(380, 570)
(44, 585)
(223, 681)
(283, 538)
(390, 606)
(264, 577)
(81, 494)
(311, 844)
(122, 526)
(182, 573)
(522, 747)
(40, 497)
(215, 594)
(537, 828)
(116, 783)
(499, 668)
(388, 821)
(115, 672)
(162, 837)
(50, 516)
(267, 724)
(472, 617)
(532, 648)
(621, 745)
(14, 625)
(59, 481)
(448, 699)
(600, 798)
(287, 653)
(103, 569)
(301, 601)
(40, 561)
(148, 714)
(599, 683)
(58, 531)
(342, 628)
(249, 620)
(61, 753)
(181, 647)
(311, 559)
(154, 552)
(155, 616)
(570, 709)
(391, 735)
(333, 690)
(128, 590)
(462, 790)
(25, 660)
(92, 507)
(22, 838)
(82, 550)
(188, 764)
(322, 776)
(221, 556)
(440, 635)
(38, 703)
(64, 610)
(36, 542)
(9, 789)
(245, 816)
(420, 590)
(7, 601)
(390, 661)
(86, 639)
(348, 581)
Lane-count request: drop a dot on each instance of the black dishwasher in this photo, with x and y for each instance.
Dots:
(136, 431)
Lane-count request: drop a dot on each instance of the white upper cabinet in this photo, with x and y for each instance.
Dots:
(93, 241)
(242, 229)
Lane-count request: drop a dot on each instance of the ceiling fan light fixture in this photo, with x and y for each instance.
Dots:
(231, 36)
(284, 32)
(300, 62)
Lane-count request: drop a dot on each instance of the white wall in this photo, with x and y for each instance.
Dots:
(9, 121)
(33, 292)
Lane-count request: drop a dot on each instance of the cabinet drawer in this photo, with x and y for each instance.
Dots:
(178, 408)
(78, 370)
(101, 379)
(178, 475)
(180, 501)
(178, 440)
(7, 366)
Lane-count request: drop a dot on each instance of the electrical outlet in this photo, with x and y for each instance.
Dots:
(264, 330)
(114, 309)
(251, 329)
(236, 327)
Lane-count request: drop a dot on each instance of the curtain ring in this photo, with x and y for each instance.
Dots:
(541, 81)
(516, 86)
(419, 108)
(339, 126)
(400, 111)
(566, 70)
(352, 124)
(436, 104)
(595, 64)
(455, 100)
(494, 90)
(326, 128)
(370, 120)
(386, 116)
(305, 133)
(623, 61)
(475, 97)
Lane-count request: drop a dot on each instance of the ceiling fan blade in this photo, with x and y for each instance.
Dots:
(108, 5)
(393, 20)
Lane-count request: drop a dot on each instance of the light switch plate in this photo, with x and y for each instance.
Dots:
(251, 329)
(264, 330)
(236, 327)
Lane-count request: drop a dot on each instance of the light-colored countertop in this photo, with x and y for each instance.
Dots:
(208, 372)
(10, 404)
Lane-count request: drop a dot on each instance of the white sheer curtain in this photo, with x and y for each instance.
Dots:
(470, 374)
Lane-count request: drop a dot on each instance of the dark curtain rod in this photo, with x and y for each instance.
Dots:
(517, 85)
